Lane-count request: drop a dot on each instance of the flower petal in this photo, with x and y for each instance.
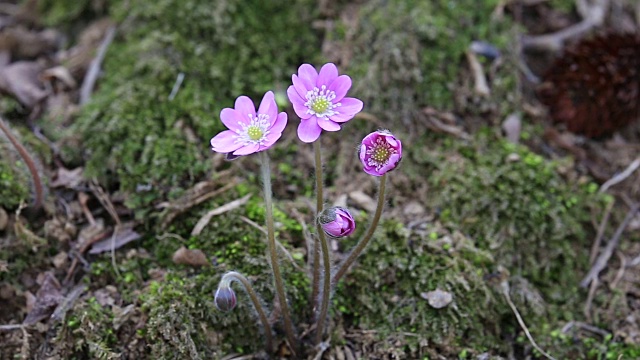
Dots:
(225, 142)
(246, 150)
(245, 106)
(270, 140)
(340, 86)
(308, 75)
(298, 103)
(328, 73)
(279, 125)
(268, 106)
(308, 130)
(349, 107)
(300, 87)
(232, 118)
(328, 125)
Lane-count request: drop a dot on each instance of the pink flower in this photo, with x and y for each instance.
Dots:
(380, 152)
(225, 298)
(249, 132)
(337, 222)
(318, 99)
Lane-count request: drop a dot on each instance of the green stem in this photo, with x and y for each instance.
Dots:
(232, 275)
(326, 284)
(273, 252)
(344, 267)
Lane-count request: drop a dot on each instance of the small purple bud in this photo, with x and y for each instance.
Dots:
(225, 298)
(337, 222)
(380, 152)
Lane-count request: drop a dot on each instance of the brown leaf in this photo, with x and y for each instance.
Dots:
(20, 80)
(184, 256)
(23, 43)
(47, 298)
(116, 241)
(68, 178)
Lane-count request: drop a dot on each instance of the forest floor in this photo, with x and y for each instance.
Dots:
(511, 228)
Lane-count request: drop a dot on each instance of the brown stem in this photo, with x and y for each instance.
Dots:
(37, 183)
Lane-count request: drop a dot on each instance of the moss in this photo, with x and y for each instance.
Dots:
(137, 137)
(408, 54)
(515, 203)
(14, 176)
(386, 290)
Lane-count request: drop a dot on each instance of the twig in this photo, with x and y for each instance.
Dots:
(593, 16)
(620, 177)
(601, 229)
(94, 68)
(504, 285)
(217, 211)
(176, 86)
(601, 263)
(37, 182)
(578, 324)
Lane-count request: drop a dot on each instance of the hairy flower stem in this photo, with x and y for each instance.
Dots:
(232, 275)
(344, 267)
(273, 252)
(326, 260)
(315, 289)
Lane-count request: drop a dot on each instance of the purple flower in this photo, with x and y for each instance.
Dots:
(337, 222)
(225, 298)
(249, 132)
(318, 99)
(380, 152)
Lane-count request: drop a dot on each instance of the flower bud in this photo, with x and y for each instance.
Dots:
(225, 298)
(337, 222)
(380, 152)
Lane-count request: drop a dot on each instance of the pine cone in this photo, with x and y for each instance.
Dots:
(594, 88)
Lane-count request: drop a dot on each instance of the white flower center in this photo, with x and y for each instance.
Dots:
(255, 132)
(379, 153)
(320, 102)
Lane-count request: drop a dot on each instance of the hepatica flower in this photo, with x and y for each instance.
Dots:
(337, 222)
(380, 152)
(249, 131)
(319, 100)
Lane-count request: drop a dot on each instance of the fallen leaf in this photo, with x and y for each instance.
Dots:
(68, 178)
(21, 80)
(47, 298)
(363, 200)
(195, 257)
(116, 241)
(438, 298)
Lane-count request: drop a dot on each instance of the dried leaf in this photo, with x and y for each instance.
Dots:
(47, 298)
(363, 200)
(68, 178)
(195, 257)
(438, 298)
(116, 241)
(20, 80)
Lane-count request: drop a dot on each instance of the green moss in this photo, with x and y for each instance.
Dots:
(137, 137)
(411, 54)
(14, 176)
(514, 203)
(385, 291)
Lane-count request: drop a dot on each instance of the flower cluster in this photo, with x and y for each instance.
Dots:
(319, 100)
